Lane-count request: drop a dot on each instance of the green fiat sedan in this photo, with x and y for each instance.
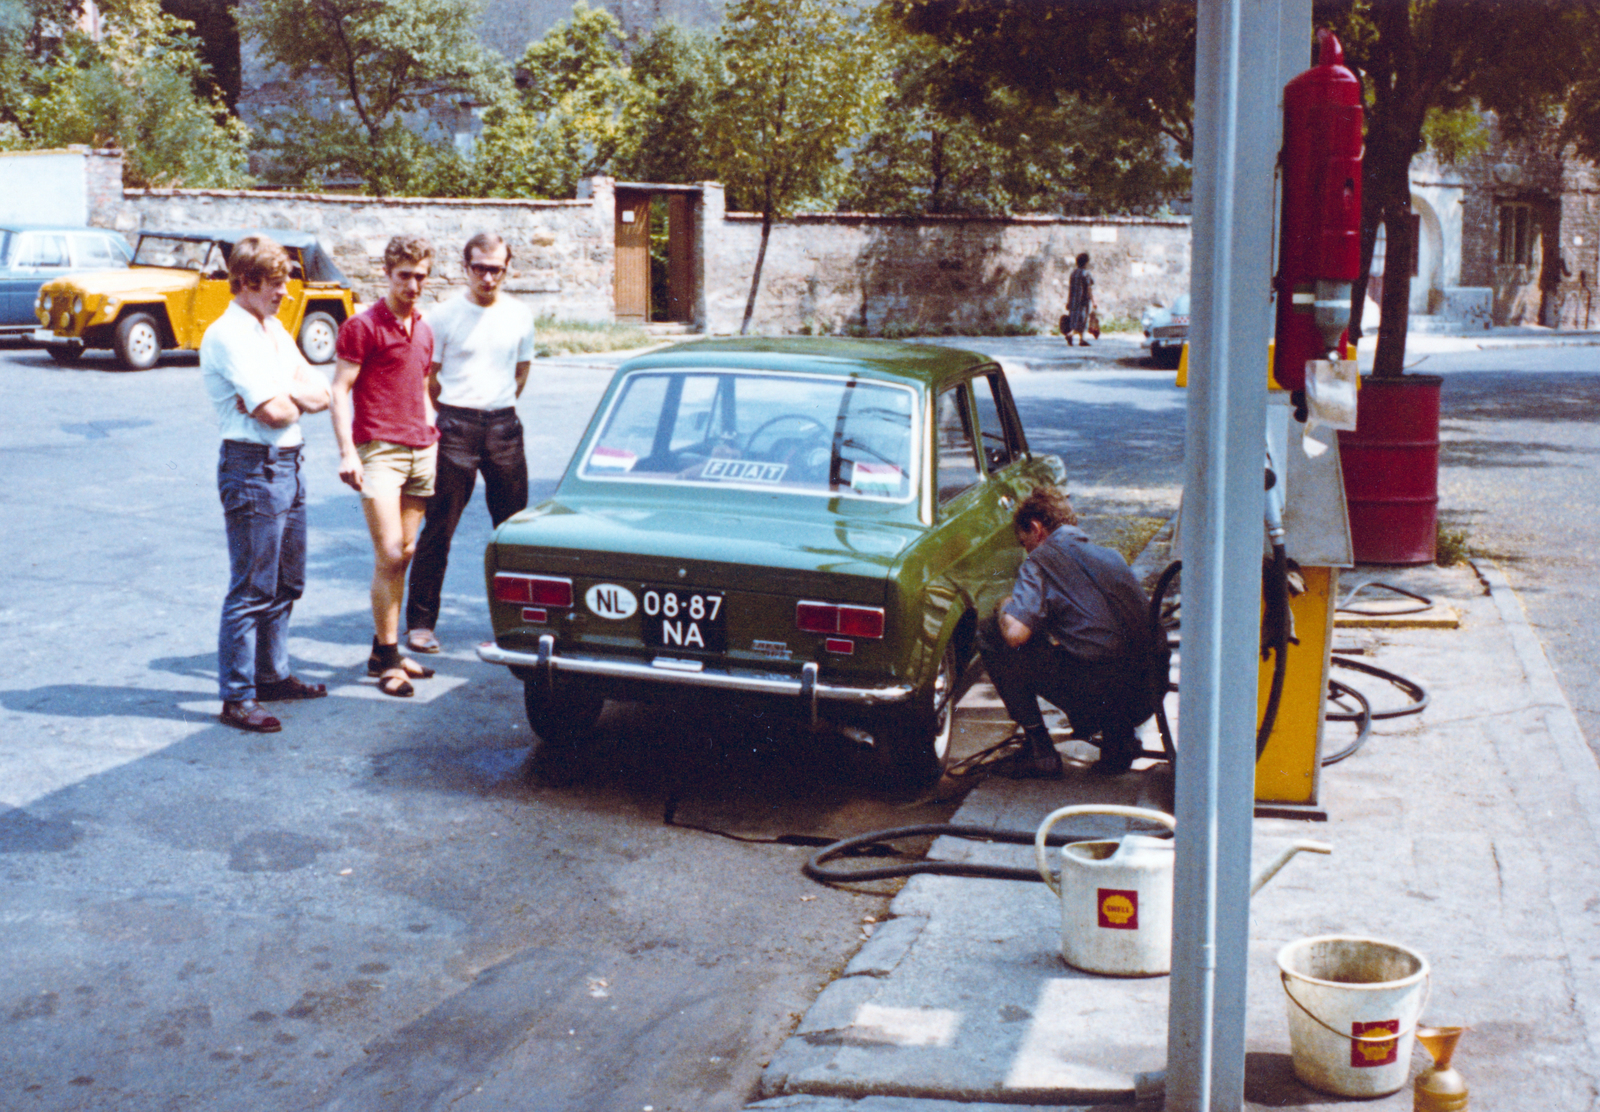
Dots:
(812, 524)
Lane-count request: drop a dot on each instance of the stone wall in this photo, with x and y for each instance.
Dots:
(838, 272)
(561, 250)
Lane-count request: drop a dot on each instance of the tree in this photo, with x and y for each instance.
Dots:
(1419, 58)
(369, 65)
(676, 73)
(566, 121)
(140, 86)
(934, 151)
(803, 83)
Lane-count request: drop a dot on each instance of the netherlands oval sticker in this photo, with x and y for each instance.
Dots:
(607, 600)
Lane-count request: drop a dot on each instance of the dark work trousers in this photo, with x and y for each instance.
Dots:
(264, 507)
(1096, 697)
(470, 441)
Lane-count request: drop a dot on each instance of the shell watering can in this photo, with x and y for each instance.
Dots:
(1116, 893)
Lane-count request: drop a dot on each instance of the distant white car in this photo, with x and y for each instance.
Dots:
(1166, 330)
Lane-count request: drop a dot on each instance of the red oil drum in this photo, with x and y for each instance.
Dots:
(1391, 470)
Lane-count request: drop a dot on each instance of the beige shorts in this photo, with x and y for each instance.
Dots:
(393, 469)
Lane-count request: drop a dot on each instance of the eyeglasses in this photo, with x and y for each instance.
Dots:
(484, 270)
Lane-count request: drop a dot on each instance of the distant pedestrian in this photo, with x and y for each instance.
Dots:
(1080, 300)
(383, 420)
(260, 385)
(485, 348)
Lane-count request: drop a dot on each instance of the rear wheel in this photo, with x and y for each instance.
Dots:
(912, 741)
(562, 719)
(319, 332)
(137, 341)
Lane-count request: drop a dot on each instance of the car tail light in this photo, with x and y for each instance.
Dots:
(841, 645)
(535, 590)
(827, 617)
(535, 615)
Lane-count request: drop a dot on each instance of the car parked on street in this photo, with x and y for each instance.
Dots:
(811, 525)
(33, 254)
(1166, 330)
(175, 287)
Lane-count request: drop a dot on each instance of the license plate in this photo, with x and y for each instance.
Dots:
(674, 618)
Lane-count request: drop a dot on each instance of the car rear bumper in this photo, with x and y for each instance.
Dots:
(806, 688)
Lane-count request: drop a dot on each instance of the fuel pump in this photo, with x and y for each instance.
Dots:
(1319, 245)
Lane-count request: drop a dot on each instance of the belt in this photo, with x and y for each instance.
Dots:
(466, 414)
(249, 449)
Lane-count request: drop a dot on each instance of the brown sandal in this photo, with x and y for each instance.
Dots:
(385, 658)
(390, 667)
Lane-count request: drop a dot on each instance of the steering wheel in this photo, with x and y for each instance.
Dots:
(810, 425)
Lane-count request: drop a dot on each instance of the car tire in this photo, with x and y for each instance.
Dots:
(563, 719)
(67, 355)
(1167, 358)
(137, 341)
(912, 741)
(319, 333)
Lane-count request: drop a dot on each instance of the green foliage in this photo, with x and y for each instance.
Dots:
(1452, 545)
(1455, 135)
(804, 82)
(367, 69)
(135, 88)
(676, 74)
(567, 119)
(569, 337)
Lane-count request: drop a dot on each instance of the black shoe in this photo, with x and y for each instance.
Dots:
(250, 716)
(1114, 761)
(289, 689)
(1037, 759)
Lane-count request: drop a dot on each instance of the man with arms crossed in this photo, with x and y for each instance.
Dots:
(485, 346)
(260, 385)
(383, 421)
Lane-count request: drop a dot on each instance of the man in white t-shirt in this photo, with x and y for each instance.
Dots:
(259, 385)
(483, 347)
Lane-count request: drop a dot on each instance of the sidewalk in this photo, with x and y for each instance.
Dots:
(1463, 832)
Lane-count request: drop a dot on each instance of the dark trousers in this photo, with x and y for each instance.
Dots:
(470, 441)
(264, 507)
(1096, 697)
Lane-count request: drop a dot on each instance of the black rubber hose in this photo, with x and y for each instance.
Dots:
(1277, 595)
(814, 867)
(1337, 690)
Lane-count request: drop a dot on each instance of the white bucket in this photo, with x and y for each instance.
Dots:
(1353, 1008)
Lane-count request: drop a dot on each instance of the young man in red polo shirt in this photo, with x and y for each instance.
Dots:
(383, 419)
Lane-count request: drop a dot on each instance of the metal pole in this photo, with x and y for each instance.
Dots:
(1237, 120)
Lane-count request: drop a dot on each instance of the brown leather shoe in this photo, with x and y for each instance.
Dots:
(250, 716)
(288, 689)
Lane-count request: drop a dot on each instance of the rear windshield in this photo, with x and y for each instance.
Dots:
(804, 434)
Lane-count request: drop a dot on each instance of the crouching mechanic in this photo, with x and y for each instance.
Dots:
(1075, 631)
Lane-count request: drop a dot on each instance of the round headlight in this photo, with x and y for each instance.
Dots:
(77, 304)
(109, 306)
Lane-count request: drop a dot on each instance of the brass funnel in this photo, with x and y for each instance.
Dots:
(1440, 1043)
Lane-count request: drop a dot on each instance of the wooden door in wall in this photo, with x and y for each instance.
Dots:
(633, 256)
(680, 257)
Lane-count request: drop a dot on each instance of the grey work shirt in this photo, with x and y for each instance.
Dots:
(1080, 595)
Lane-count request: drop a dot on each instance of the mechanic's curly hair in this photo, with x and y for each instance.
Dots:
(406, 249)
(1047, 505)
(254, 260)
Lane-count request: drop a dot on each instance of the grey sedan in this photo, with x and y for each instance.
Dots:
(31, 255)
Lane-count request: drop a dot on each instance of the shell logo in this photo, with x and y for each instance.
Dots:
(1118, 908)
(1367, 1049)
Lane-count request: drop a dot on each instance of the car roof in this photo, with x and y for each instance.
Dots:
(929, 364)
(17, 227)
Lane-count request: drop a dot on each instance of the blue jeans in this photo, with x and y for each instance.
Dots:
(470, 441)
(264, 506)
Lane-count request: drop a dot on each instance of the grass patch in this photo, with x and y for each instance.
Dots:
(1451, 546)
(571, 337)
(1122, 322)
(1127, 535)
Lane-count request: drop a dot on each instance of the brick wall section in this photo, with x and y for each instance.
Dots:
(103, 180)
(561, 250)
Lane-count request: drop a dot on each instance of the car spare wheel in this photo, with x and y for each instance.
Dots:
(319, 332)
(912, 741)
(562, 718)
(137, 341)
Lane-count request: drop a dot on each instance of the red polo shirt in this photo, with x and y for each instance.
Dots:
(390, 391)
